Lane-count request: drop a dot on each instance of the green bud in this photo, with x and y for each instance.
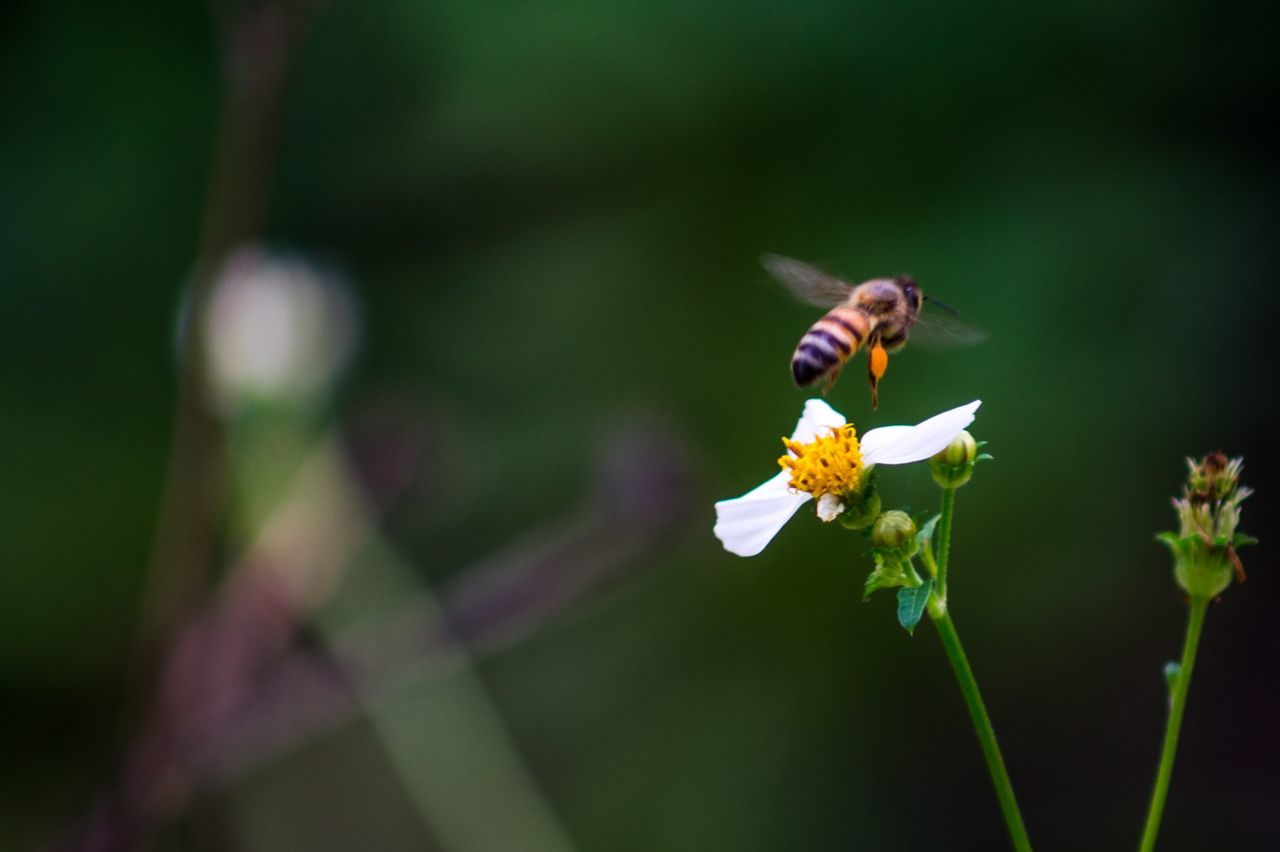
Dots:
(962, 450)
(953, 466)
(893, 529)
(894, 535)
(895, 542)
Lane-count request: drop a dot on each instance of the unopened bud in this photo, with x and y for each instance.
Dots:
(962, 450)
(953, 466)
(895, 531)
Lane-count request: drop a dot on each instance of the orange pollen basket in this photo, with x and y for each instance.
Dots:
(879, 360)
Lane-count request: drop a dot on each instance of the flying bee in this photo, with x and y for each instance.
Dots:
(876, 314)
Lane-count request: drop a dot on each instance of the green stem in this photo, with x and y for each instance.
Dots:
(978, 712)
(1177, 702)
(944, 539)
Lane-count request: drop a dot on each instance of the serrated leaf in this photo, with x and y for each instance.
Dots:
(911, 603)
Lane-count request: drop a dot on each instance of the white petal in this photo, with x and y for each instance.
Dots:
(829, 507)
(817, 419)
(905, 444)
(746, 524)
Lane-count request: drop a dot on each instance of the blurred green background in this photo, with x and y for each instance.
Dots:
(549, 216)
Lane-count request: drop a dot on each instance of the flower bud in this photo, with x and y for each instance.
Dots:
(893, 529)
(953, 466)
(894, 538)
(962, 450)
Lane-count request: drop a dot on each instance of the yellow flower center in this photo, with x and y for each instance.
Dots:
(830, 464)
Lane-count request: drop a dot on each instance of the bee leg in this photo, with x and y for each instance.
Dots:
(877, 363)
(831, 381)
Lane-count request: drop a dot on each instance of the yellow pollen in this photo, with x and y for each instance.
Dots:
(830, 464)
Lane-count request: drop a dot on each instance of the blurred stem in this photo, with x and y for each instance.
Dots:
(981, 721)
(260, 37)
(1177, 703)
(944, 539)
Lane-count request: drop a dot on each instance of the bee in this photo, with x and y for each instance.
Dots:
(878, 314)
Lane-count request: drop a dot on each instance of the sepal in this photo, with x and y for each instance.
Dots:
(863, 507)
(887, 575)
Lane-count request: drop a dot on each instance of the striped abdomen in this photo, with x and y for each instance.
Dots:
(828, 343)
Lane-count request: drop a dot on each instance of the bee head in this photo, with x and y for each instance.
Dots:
(907, 285)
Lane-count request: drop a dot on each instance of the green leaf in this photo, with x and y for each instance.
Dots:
(1240, 540)
(984, 457)
(922, 543)
(911, 602)
(926, 530)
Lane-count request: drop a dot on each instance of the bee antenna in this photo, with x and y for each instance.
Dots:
(948, 308)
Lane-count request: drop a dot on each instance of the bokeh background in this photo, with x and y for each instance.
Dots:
(443, 577)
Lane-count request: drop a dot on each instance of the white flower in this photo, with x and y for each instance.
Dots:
(826, 460)
(277, 327)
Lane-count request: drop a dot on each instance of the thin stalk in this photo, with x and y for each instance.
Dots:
(261, 41)
(969, 684)
(981, 721)
(1177, 703)
(944, 539)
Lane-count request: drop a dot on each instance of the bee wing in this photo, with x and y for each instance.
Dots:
(936, 329)
(807, 283)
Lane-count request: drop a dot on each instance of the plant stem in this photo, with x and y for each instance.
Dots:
(978, 712)
(944, 539)
(1177, 702)
(261, 41)
(969, 684)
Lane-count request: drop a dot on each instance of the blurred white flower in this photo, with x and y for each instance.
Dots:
(277, 327)
(826, 460)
